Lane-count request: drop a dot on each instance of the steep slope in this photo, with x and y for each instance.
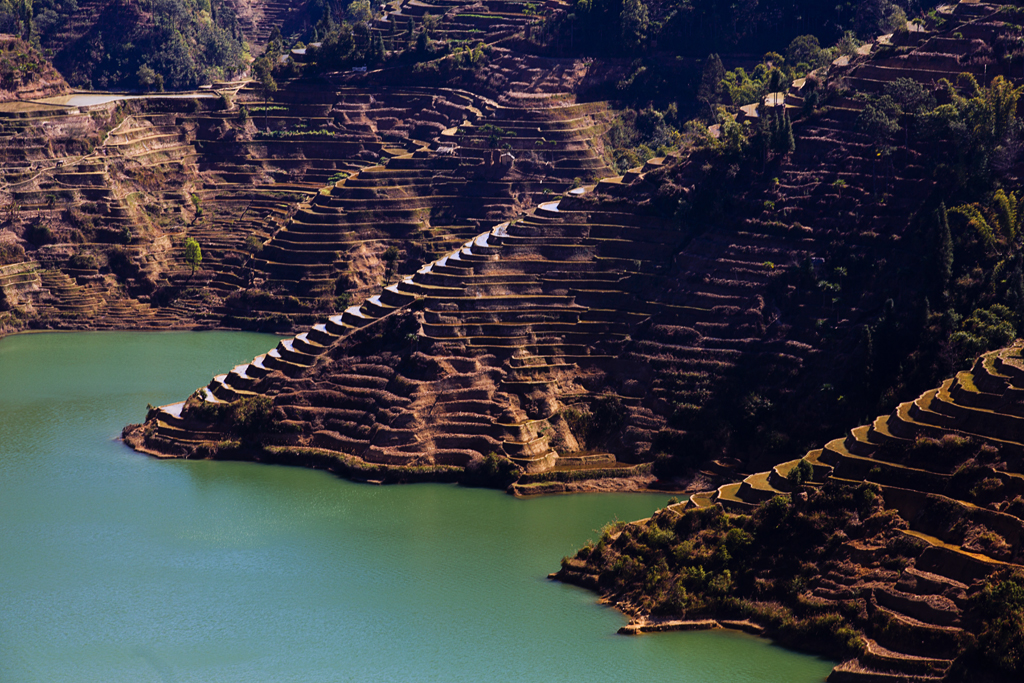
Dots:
(530, 323)
(894, 536)
(618, 328)
(25, 74)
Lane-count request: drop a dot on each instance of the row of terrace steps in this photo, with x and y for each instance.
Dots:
(400, 197)
(383, 115)
(485, 286)
(18, 280)
(942, 52)
(403, 194)
(153, 140)
(560, 138)
(453, 440)
(827, 141)
(84, 300)
(230, 217)
(486, 20)
(924, 606)
(551, 354)
(258, 19)
(525, 290)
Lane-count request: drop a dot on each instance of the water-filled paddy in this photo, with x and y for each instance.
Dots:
(118, 567)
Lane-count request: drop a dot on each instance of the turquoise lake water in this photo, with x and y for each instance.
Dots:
(119, 567)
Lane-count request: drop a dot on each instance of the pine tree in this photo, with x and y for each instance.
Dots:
(944, 255)
(634, 20)
(376, 52)
(763, 137)
(784, 141)
(710, 91)
(866, 361)
(24, 10)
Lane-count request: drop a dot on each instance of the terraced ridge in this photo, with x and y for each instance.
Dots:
(928, 56)
(966, 517)
(534, 317)
(543, 304)
(255, 179)
(35, 78)
(426, 198)
(460, 20)
(252, 165)
(449, 414)
(258, 18)
(18, 281)
(65, 171)
(831, 188)
(835, 164)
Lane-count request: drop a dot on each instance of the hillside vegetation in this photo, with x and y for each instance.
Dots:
(902, 542)
(134, 44)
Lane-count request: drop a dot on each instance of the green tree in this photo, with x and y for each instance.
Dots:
(710, 91)
(376, 53)
(878, 121)
(986, 329)
(999, 610)
(149, 80)
(423, 41)
(912, 97)
(783, 141)
(193, 255)
(878, 16)
(263, 72)
(999, 224)
(253, 245)
(913, 100)
(733, 140)
(252, 418)
(804, 50)
(777, 81)
(635, 21)
(944, 247)
(360, 10)
(977, 131)
(24, 11)
(390, 258)
(801, 474)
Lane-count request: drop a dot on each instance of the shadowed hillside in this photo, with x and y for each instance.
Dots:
(902, 541)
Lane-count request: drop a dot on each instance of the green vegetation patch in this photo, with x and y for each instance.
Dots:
(704, 563)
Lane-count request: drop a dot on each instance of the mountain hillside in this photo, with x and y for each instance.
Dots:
(902, 541)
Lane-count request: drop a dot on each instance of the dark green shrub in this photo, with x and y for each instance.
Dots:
(11, 253)
(251, 417)
(493, 471)
(801, 474)
(999, 608)
(39, 234)
(82, 261)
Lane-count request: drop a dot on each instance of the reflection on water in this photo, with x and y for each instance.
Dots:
(119, 567)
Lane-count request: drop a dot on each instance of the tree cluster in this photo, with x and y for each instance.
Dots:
(697, 27)
(143, 44)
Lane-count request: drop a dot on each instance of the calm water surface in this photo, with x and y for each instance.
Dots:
(118, 567)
